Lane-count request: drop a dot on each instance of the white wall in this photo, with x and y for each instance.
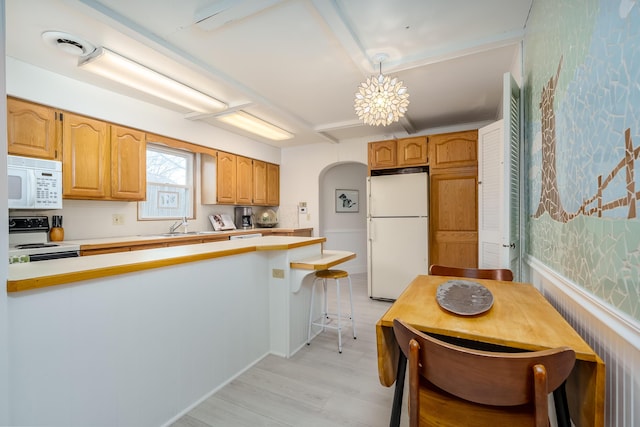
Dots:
(300, 173)
(4, 316)
(89, 219)
(613, 335)
(136, 349)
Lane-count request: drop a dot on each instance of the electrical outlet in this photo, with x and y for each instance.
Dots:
(117, 219)
(278, 273)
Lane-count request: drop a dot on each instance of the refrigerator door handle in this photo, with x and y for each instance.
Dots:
(371, 230)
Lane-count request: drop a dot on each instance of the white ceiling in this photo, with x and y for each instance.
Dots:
(295, 63)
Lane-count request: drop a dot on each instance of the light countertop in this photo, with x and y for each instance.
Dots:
(24, 276)
(106, 242)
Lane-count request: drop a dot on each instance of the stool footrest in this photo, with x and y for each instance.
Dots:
(326, 318)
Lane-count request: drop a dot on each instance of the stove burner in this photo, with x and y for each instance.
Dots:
(36, 245)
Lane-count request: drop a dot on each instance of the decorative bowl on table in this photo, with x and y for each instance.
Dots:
(464, 297)
(267, 218)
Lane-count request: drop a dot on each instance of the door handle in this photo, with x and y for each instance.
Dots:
(512, 246)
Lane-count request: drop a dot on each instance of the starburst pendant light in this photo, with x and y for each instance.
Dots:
(381, 100)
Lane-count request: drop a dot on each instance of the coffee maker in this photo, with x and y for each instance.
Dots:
(244, 218)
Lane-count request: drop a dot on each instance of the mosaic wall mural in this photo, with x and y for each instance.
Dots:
(582, 106)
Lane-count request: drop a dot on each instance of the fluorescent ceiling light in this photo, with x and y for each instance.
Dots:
(118, 68)
(246, 121)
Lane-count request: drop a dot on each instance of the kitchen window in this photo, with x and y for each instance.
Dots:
(170, 191)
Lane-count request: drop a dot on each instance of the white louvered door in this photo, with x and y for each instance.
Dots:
(499, 186)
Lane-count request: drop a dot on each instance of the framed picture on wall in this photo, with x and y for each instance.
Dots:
(347, 200)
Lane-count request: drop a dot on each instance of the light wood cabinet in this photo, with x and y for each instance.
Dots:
(453, 221)
(266, 184)
(226, 178)
(102, 161)
(454, 150)
(401, 153)
(32, 130)
(240, 181)
(259, 182)
(412, 151)
(273, 184)
(86, 158)
(244, 180)
(128, 163)
(382, 154)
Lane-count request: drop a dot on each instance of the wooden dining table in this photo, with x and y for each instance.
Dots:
(520, 318)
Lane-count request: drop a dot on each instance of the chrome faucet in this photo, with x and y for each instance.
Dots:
(177, 224)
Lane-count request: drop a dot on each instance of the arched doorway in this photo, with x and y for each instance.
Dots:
(345, 226)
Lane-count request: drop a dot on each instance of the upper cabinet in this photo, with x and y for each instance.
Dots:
(453, 150)
(239, 180)
(382, 154)
(102, 161)
(244, 181)
(86, 157)
(273, 185)
(128, 164)
(32, 130)
(266, 184)
(225, 178)
(259, 182)
(404, 152)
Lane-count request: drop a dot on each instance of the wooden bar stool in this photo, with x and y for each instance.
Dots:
(324, 319)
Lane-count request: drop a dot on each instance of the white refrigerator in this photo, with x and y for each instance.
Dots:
(397, 230)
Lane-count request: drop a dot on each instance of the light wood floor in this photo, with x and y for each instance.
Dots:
(316, 387)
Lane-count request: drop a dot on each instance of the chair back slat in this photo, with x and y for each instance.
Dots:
(475, 273)
(499, 379)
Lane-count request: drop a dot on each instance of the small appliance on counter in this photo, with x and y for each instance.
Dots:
(267, 219)
(243, 217)
(28, 240)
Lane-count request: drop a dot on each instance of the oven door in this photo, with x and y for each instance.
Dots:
(21, 187)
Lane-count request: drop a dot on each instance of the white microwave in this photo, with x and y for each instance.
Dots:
(34, 183)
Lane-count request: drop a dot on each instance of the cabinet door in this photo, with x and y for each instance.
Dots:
(454, 218)
(85, 158)
(452, 150)
(226, 178)
(273, 184)
(412, 151)
(128, 164)
(244, 189)
(259, 183)
(382, 154)
(31, 130)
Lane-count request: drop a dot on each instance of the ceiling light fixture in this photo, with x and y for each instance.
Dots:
(111, 65)
(246, 121)
(381, 100)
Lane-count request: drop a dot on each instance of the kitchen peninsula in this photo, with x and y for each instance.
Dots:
(141, 336)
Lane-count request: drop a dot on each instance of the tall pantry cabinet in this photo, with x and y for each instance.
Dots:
(453, 222)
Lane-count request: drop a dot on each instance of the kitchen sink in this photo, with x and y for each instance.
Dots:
(189, 233)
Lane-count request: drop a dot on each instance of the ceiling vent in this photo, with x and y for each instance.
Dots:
(68, 43)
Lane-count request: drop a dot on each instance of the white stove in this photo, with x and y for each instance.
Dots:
(29, 241)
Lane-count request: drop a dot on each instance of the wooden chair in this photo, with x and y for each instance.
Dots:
(475, 273)
(456, 386)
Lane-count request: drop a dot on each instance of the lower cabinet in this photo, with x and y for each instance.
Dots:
(454, 218)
